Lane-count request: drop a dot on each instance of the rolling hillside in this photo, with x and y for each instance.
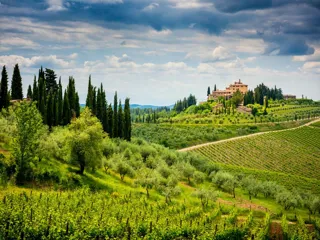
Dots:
(292, 154)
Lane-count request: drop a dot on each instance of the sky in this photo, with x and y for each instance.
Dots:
(156, 52)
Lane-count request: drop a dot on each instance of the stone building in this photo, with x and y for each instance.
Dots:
(289, 96)
(229, 91)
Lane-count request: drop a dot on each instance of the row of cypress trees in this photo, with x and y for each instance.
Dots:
(16, 87)
(56, 107)
(115, 120)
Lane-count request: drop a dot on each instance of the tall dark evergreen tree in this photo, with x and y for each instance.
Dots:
(16, 84)
(35, 91)
(99, 110)
(73, 99)
(29, 93)
(120, 121)
(77, 105)
(66, 109)
(55, 110)
(42, 97)
(4, 94)
(50, 79)
(50, 111)
(127, 120)
(215, 88)
(94, 101)
(115, 125)
(59, 104)
(209, 91)
(89, 100)
(110, 120)
(104, 109)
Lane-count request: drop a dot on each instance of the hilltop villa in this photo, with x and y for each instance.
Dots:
(229, 91)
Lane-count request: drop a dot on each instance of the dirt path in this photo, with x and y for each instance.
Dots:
(246, 136)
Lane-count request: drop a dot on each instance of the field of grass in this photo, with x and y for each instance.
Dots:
(316, 124)
(295, 153)
(176, 136)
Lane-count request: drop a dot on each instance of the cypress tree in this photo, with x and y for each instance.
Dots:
(208, 91)
(42, 98)
(89, 95)
(71, 92)
(16, 84)
(66, 110)
(4, 95)
(41, 74)
(99, 107)
(50, 79)
(35, 92)
(60, 104)
(127, 120)
(120, 121)
(105, 116)
(29, 93)
(115, 116)
(94, 101)
(215, 88)
(56, 109)
(77, 105)
(110, 120)
(49, 115)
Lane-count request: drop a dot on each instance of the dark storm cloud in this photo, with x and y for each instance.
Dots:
(287, 27)
(232, 6)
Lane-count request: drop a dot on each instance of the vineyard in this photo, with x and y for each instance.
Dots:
(86, 215)
(293, 152)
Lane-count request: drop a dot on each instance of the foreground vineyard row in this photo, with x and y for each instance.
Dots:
(295, 152)
(85, 215)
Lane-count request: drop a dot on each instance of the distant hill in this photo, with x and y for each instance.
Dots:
(147, 106)
(132, 106)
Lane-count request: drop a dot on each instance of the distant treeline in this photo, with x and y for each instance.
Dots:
(58, 107)
(183, 104)
(260, 92)
(148, 115)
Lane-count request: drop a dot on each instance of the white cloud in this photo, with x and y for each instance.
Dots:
(151, 6)
(17, 42)
(190, 4)
(73, 56)
(101, 1)
(55, 5)
(162, 33)
(309, 65)
(36, 61)
(313, 57)
(218, 54)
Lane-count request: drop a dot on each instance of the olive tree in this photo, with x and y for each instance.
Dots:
(205, 196)
(226, 181)
(253, 186)
(287, 200)
(123, 168)
(85, 140)
(28, 129)
(147, 179)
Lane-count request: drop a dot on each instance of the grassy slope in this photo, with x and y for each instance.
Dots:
(289, 157)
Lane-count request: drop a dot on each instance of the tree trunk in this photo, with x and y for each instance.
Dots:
(81, 168)
(147, 192)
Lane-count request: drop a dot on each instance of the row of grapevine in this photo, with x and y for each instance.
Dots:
(294, 151)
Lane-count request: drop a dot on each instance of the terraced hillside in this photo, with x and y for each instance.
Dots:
(294, 152)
